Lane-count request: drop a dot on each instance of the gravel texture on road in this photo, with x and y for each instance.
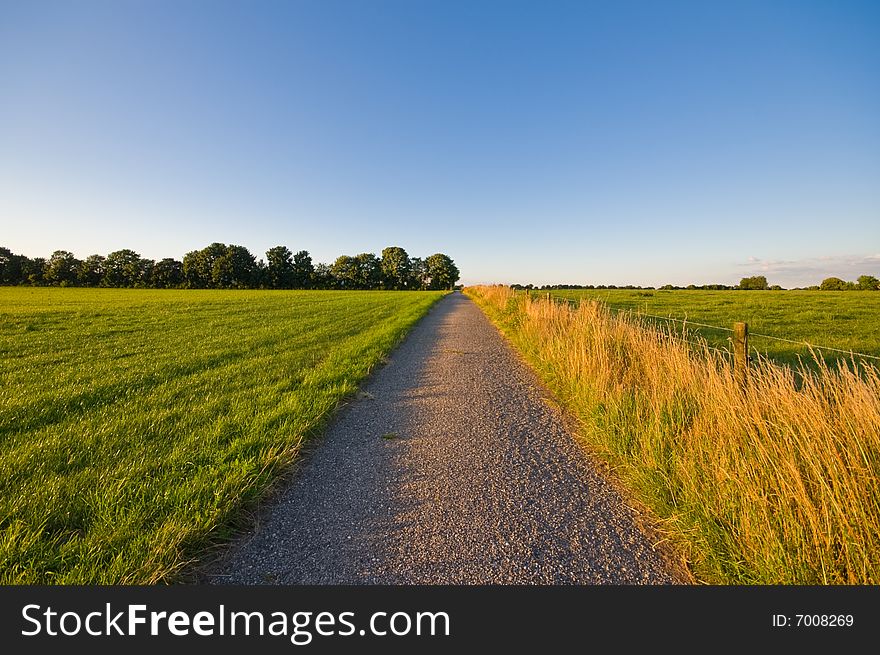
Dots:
(448, 468)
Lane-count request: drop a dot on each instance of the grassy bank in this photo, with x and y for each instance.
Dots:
(136, 424)
(775, 483)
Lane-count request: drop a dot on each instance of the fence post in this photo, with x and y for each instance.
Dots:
(548, 296)
(741, 351)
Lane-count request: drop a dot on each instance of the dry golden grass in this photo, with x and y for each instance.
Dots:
(772, 483)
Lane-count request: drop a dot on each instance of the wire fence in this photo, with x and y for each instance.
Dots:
(688, 323)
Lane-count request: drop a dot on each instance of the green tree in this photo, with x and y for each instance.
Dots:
(198, 266)
(261, 276)
(321, 277)
(6, 256)
(91, 271)
(345, 273)
(834, 284)
(303, 270)
(167, 274)
(146, 272)
(868, 283)
(442, 271)
(11, 267)
(125, 268)
(192, 277)
(61, 268)
(279, 262)
(757, 283)
(395, 268)
(32, 270)
(236, 268)
(418, 274)
(369, 275)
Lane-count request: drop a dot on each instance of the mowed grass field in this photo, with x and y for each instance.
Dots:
(846, 320)
(135, 425)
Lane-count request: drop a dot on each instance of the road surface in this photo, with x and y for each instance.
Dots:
(449, 468)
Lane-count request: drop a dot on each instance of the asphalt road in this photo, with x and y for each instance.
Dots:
(449, 468)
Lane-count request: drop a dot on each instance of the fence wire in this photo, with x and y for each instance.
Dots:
(572, 302)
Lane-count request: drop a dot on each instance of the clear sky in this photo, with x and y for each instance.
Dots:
(582, 142)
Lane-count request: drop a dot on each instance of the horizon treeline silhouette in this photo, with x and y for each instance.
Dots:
(755, 283)
(221, 266)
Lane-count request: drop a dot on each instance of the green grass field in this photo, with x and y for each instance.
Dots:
(136, 425)
(847, 320)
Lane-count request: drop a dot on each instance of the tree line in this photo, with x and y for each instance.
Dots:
(221, 266)
(754, 283)
(863, 283)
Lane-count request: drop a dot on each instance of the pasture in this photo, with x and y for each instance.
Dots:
(845, 320)
(136, 425)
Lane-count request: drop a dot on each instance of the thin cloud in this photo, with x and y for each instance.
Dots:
(812, 270)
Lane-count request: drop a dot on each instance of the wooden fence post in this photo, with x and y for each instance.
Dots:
(741, 351)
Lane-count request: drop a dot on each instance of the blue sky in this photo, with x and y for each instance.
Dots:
(583, 142)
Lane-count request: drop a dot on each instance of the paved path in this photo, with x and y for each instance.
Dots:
(481, 485)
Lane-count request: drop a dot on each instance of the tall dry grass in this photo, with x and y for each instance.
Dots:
(775, 482)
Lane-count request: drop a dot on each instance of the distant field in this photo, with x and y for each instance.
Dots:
(848, 320)
(136, 424)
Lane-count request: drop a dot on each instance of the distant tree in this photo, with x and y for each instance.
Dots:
(235, 269)
(146, 272)
(303, 270)
(395, 268)
(776, 287)
(321, 277)
(442, 271)
(192, 273)
(90, 271)
(369, 271)
(125, 268)
(279, 262)
(61, 268)
(261, 276)
(12, 267)
(223, 272)
(206, 263)
(6, 256)
(756, 283)
(834, 284)
(344, 272)
(418, 274)
(167, 274)
(198, 266)
(33, 270)
(868, 283)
